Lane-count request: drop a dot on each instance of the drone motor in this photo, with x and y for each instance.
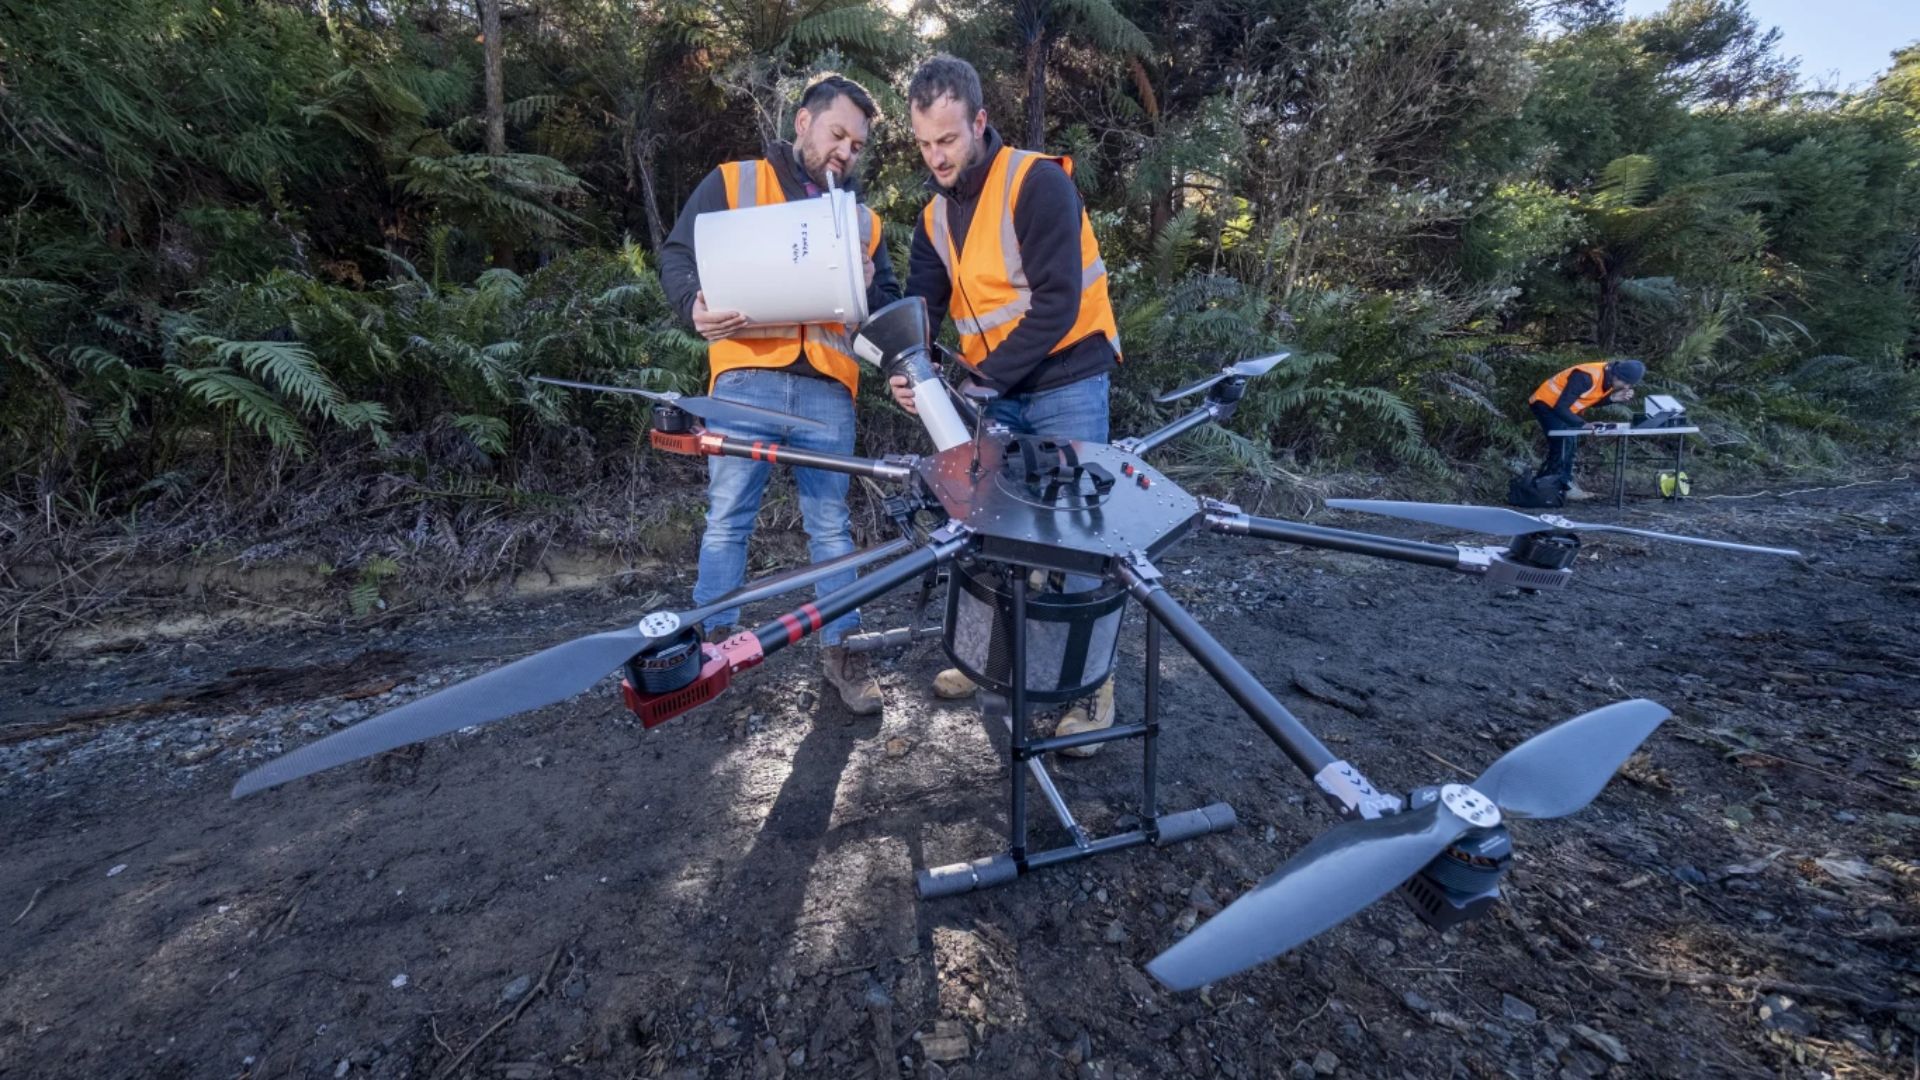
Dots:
(1546, 550)
(1462, 882)
(671, 420)
(668, 667)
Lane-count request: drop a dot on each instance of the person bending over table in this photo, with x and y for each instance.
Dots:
(1559, 401)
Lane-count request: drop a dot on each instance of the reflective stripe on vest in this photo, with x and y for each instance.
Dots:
(827, 346)
(1549, 392)
(1008, 300)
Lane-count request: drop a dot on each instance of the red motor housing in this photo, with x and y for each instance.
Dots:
(734, 654)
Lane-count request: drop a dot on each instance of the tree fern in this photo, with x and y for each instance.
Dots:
(1106, 27)
(1626, 181)
(863, 26)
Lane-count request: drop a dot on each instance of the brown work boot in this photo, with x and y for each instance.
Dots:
(718, 634)
(1078, 720)
(952, 684)
(848, 673)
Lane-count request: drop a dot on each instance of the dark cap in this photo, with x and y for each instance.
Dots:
(1627, 371)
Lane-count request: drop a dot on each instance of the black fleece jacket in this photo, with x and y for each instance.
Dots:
(680, 274)
(1046, 223)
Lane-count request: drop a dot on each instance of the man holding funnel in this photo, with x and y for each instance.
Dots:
(1006, 247)
(805, 369)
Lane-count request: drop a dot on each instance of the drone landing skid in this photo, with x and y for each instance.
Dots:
(1156, 828)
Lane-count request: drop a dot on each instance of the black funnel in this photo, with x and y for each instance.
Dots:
(893, 334)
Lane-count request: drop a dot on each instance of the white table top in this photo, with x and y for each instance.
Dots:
(1622, 432)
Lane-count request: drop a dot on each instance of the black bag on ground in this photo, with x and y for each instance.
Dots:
(1536, 492)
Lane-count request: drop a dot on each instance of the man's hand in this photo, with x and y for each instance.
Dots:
(1624, 394)
(715, 325)
(902, 393)
(866, 266)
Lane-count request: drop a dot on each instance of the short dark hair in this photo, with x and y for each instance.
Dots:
(830, 87)
(945, 76)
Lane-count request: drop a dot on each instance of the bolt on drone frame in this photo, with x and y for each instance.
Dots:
(1005, 509)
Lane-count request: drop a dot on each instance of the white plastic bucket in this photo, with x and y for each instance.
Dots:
(791, 262)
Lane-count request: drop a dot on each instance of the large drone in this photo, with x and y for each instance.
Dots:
(992, 509)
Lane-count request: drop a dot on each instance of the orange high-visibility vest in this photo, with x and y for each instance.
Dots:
(990, 290)
(1550, 391)
(828, 346)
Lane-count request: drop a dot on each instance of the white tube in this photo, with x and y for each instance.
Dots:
(930, 399)
(938, 414)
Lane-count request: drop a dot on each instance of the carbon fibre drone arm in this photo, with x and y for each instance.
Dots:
(699, 442)
(1343, 785)
(807, 619)
(750, 647)
(1490, 563)
(1206, 413)
(1224, 390)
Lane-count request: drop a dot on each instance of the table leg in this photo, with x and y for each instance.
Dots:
(1620, 474)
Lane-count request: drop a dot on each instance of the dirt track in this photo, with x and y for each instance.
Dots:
(731, 894)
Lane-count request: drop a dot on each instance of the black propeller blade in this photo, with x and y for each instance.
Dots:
(1564, 767)
(1341, 872)
(705, 408)
(1496, 521)
(1348, 867)
(532, 682)
(1245, 369)
(529, 683)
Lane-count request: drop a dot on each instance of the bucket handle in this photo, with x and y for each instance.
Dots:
(833, 189)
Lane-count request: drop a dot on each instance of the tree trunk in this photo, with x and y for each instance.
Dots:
(1294, 261)
(496, 109)
(1037, 52)
(1159, 203)
(643, 152)
(496, 87)
(1159, 210)
(1606, 323)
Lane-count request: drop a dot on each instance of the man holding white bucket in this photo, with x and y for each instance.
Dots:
(1005, 245)
(804, 369)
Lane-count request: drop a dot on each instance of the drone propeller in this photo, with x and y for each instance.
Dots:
(705, 408)
(1245, 369)
(1496, 521)
(532, 682)
(1351, 865)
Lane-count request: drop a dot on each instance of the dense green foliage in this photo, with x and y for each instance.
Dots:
(260, 245)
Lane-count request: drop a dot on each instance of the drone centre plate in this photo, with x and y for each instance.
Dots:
(1143, 513)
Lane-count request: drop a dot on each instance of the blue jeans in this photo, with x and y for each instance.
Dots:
(1074, 411)
(735, 486)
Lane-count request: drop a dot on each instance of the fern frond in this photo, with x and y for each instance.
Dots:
(1625, 181)
(290, 367)
(1107, 27)
(489, 433)
(861, 26)
(249, 402)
